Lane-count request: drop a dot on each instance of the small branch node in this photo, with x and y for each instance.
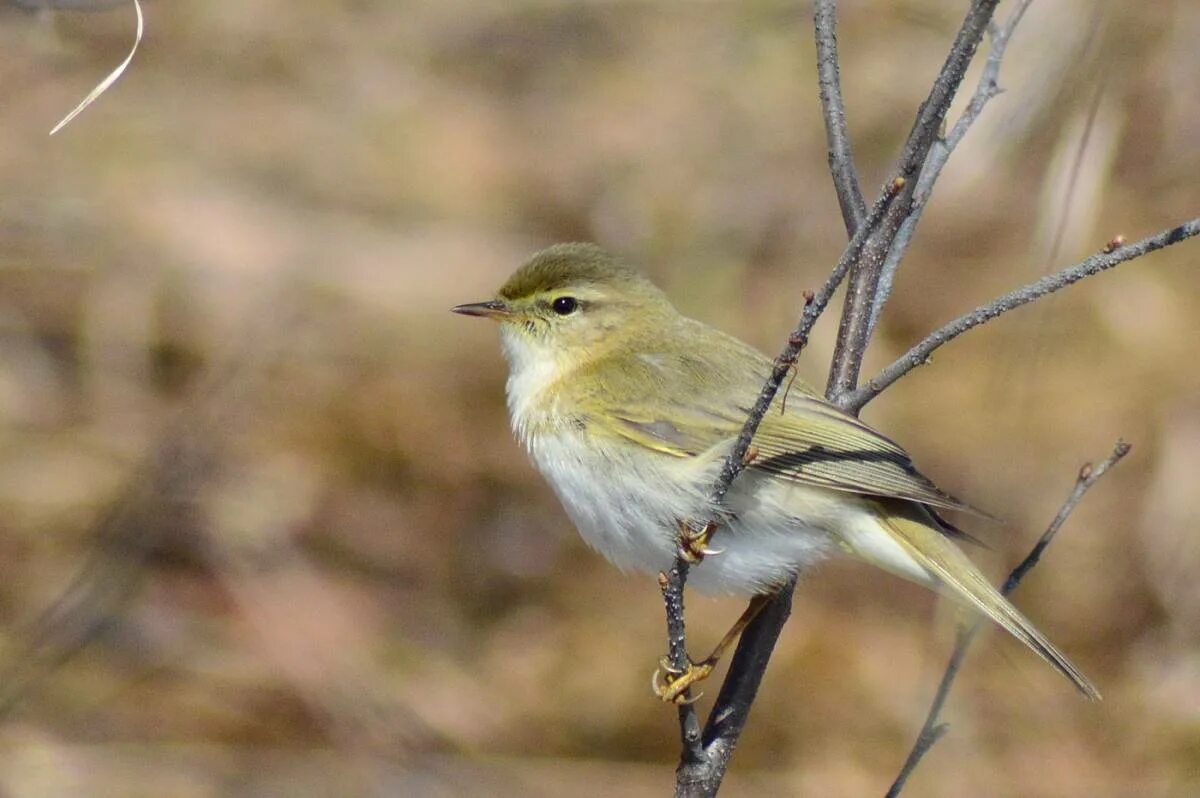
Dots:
(1115, 243)
(855, 399)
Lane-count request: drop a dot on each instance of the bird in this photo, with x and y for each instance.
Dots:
(628, 408)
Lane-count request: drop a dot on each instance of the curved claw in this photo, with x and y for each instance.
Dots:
(672, 686)
(669, 692)
(693, 545)
(664, 665)
(697, 555)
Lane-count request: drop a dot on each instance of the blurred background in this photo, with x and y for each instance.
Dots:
(264, 529)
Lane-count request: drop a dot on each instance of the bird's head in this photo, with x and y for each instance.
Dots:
(569, 303)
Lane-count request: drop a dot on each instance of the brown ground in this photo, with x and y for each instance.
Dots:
(330, 571)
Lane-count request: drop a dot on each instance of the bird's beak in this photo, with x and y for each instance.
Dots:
(494, 309)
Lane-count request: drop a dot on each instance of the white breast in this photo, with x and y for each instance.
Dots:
(627, 502)
(629, 512)
(530, 372)
(621, 510)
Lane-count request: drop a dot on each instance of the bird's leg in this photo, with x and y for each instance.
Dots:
(693, 544)
(669, 683)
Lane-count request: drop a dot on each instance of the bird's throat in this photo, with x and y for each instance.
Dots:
(533, 376)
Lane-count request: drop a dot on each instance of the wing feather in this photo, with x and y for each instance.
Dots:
(805, 439)
(815, 443)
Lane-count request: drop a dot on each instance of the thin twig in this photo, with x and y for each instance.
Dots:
(673, 581)
(700, 772)
(855, 329)
(732, 707)
(1099, 262)
(1088, 476)
(814, 306)
(863, 260)
(829, 82)
(933, 729)
(939, 153)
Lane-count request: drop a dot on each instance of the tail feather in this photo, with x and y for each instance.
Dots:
(921, 539)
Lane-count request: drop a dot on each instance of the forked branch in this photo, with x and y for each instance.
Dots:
(933, 729)
(854, 331)
(880, 237)
(674, 580)
(1101, 261)
(704, 761)
(939, 154)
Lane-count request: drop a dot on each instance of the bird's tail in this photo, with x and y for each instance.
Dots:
(918, 535)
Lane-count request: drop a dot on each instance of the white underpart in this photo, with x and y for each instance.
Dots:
(627, 507)
(530, 372)
(867, 539)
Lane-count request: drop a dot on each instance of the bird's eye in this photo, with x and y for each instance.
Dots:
(565, 305)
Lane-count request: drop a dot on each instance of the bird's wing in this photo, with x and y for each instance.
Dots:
(802, 439)
(815, 443)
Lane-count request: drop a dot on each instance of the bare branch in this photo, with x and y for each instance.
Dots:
(1102, 261)
(673, 581)
(813, 307)
(863, 259)
(933, 729)
(939, 153)
(1088, 476)
(829, 82)
(854, 331)
(704, 761)
(728, 716)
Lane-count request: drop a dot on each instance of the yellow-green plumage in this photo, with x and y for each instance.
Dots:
(628, 408)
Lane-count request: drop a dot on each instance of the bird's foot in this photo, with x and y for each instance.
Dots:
(693, 544)
(671, 684)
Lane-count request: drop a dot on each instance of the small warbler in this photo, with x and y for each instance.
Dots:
(628, 409)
